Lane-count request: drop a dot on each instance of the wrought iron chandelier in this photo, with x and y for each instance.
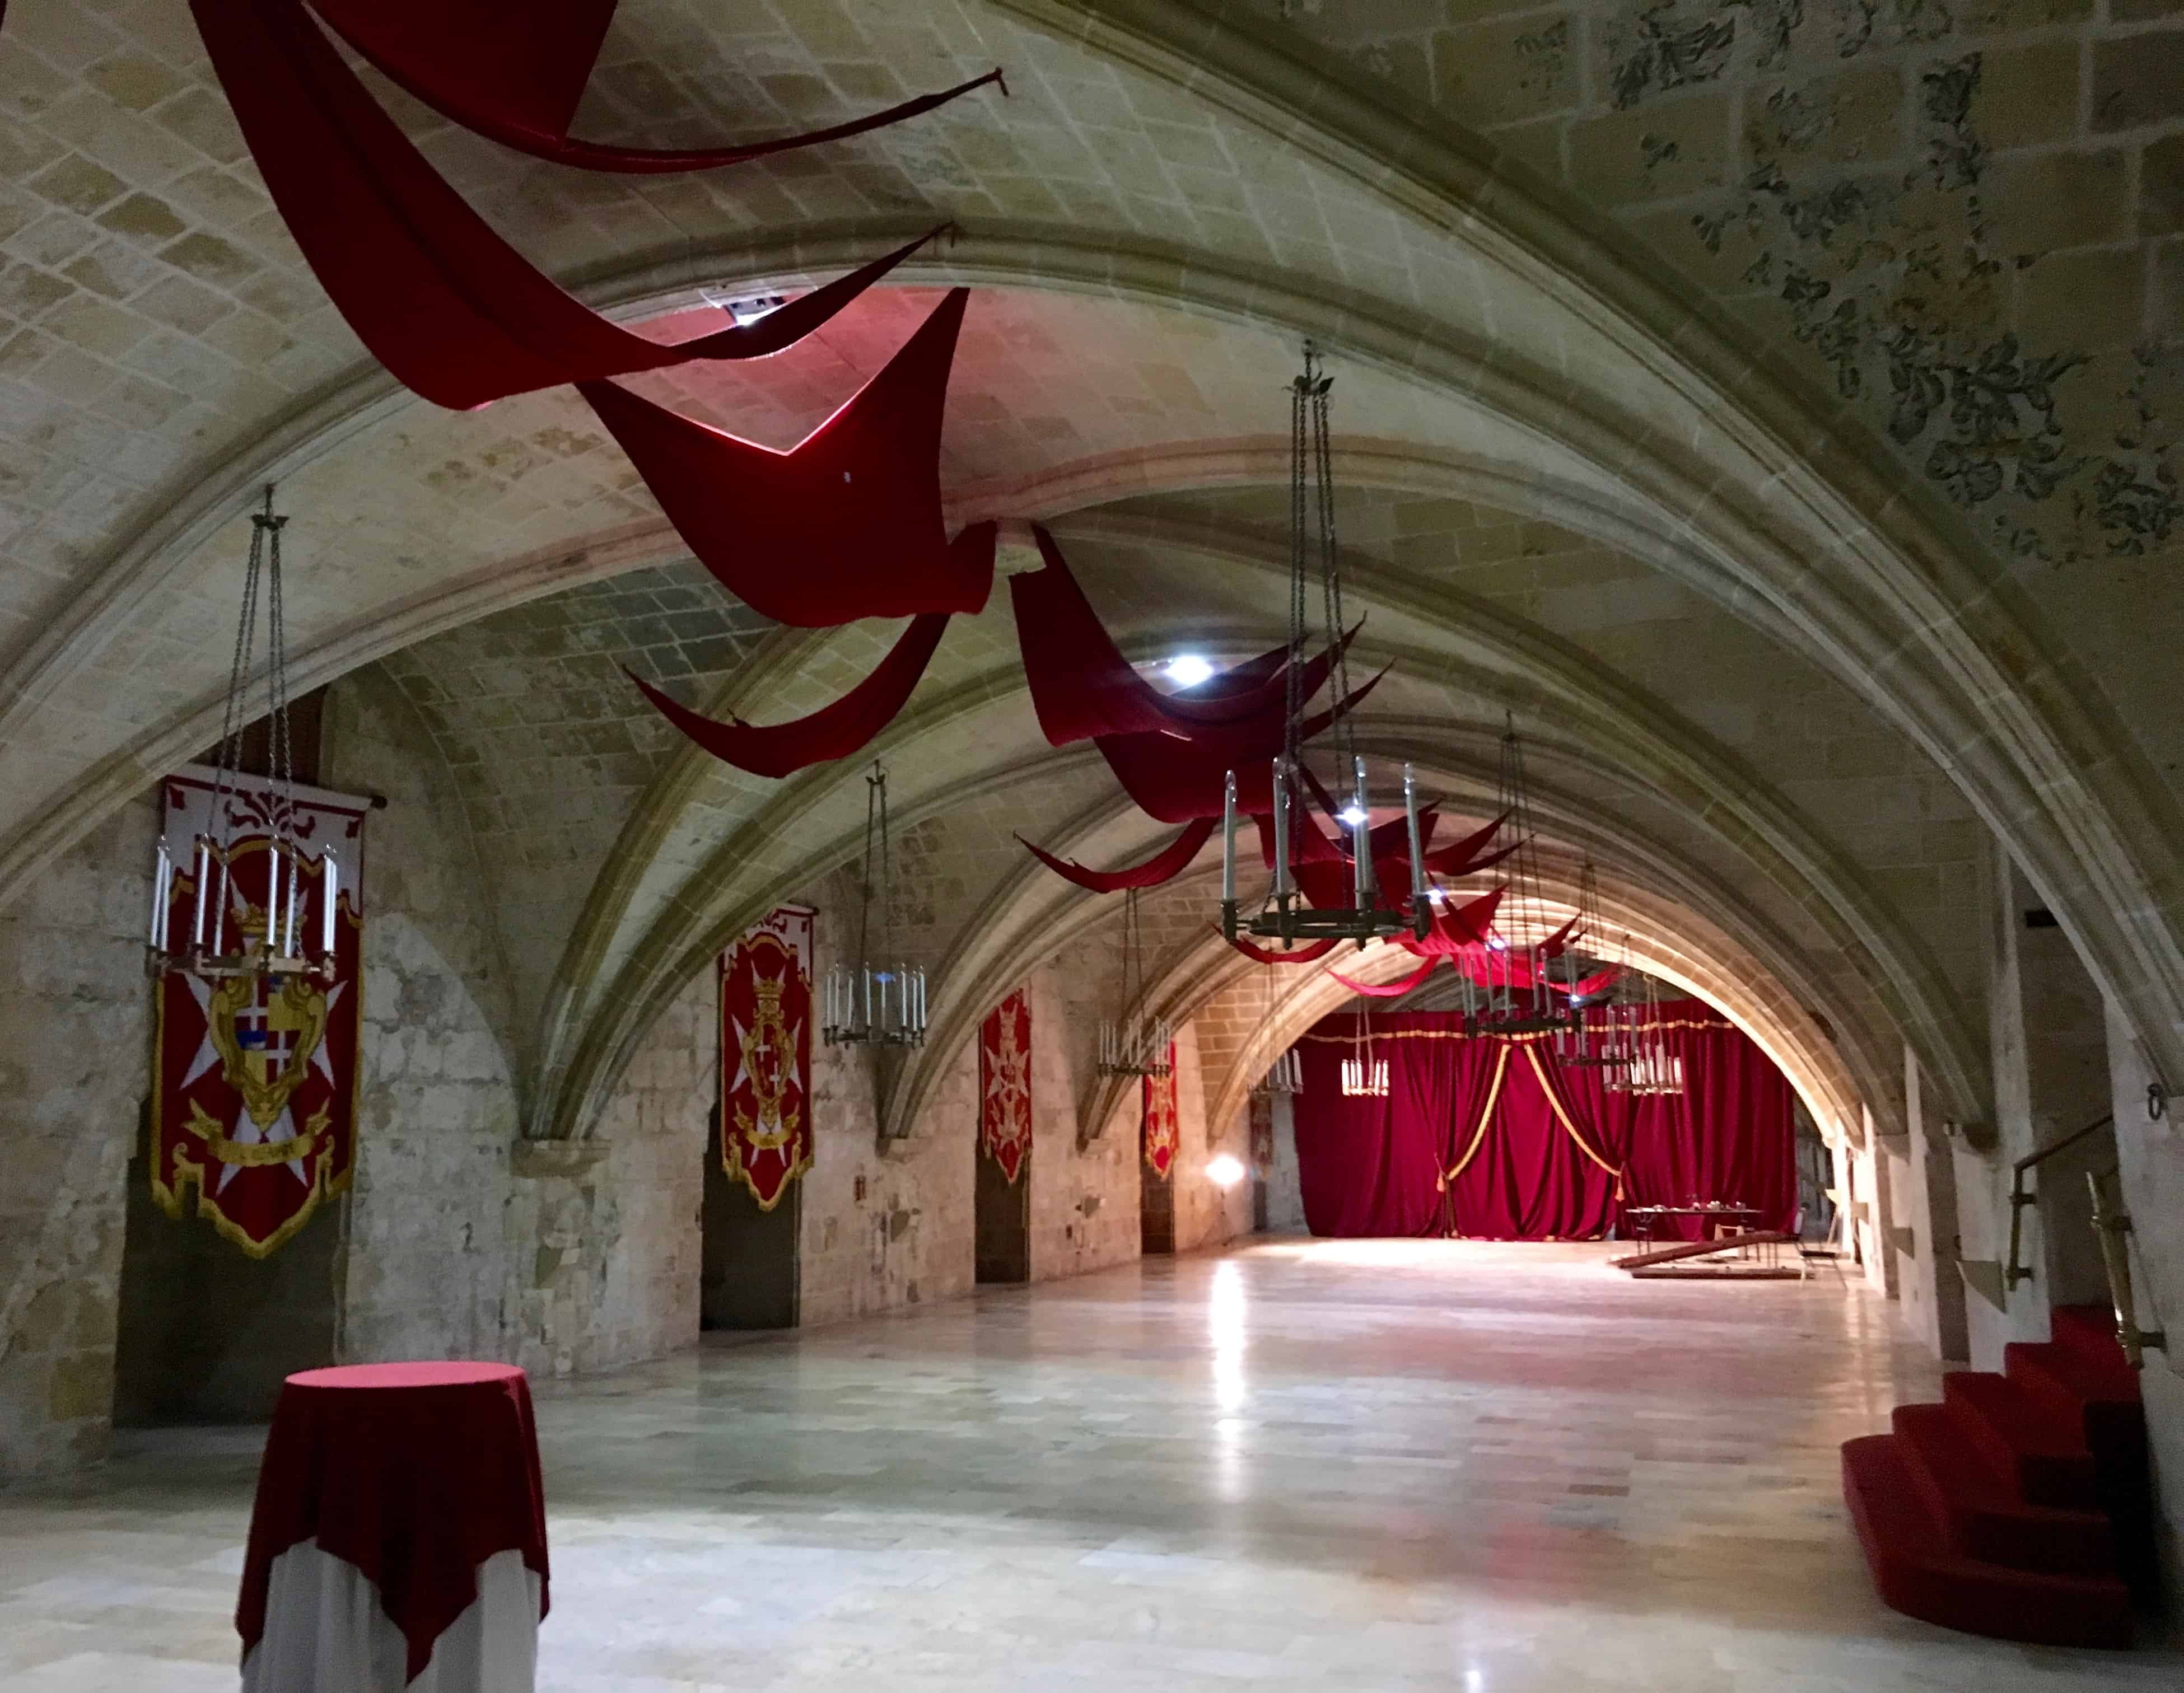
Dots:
(1133, 1042)
(1285, 1073)
(228, 936)
(879, 1000)
(1648, 1065)
(1316, 558)
(1580, 1041)
(1517, 995)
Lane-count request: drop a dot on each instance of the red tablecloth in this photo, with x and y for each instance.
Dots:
(415, 1474)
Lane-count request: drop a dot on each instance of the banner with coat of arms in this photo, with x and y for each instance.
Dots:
(1004, 1083)
(1163, 1130)
(765, 1055)
(254, 1079)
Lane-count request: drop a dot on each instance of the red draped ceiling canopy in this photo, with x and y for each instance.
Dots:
(834, 731)
(847, 523)
(1176, 780)
(1164, 865)
(455, 313)
(1081, 686)
(515, 74)
(1488, 1137)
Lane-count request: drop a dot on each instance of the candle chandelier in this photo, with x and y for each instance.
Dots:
(1513, 991)
(1316, 561)
(1285, 1073)
(879, 1000)
(1133, 1042)
(1581, 1040)
(1648, 1067)
(229, 936)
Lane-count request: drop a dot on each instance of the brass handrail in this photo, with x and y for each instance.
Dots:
(2019, 1197)
(2115, 1257)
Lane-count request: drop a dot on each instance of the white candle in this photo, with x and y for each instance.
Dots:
(205, 881)
(333, 896)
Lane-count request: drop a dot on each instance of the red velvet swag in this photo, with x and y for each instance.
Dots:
(454, 312)
(515, 74)
(847, 523)
(1390, 990)
(1175, 781)
(1302, 954)
(833, 730)
(1495, 1139)
(1081, 686)
(1164, 865)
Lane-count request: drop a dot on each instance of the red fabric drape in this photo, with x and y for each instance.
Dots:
(1727, 1136)
(847, 523)
(1302, 954)
(515, 74)
(415, 1474)
(1388, 990)
(836, 730)
(1164, 865)
(1081, 686)
(1176, 780)
(1372, 1166)
(455, 313)
(1531, 1179)
(1531, 1170)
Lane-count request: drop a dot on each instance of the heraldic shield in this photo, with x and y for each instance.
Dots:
(1163, 1133)
(1004, 1083)
(254, 1096)
(765, 1055)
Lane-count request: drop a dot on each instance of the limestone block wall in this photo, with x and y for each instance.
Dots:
(908, 1239)
(1083, 1206)
(1963, 223)
(1285, 1192)
(1205, 1216)
(427, 1263)
(75, 1020)
(2151, 1156)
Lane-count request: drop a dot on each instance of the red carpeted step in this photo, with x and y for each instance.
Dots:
(1916, 1573)
(2022, 1441)
(2089, 1329)
(2096, 1397)
(1985, 1518)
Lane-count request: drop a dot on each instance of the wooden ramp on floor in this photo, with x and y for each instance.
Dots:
(1719, 1273)
(1703, 1248)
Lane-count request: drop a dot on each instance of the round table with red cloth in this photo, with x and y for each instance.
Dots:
(414, 1473)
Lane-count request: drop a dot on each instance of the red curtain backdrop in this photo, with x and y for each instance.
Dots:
(1004, 1083)
(1373, 1164)
(1495, 1139)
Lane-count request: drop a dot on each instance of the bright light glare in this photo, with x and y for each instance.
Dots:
(1352, 814)
(1224, 1171)
(1497, 942)
(1189, 670)
(1434, 895)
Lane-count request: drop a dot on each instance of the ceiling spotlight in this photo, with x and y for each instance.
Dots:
(746, 309)
(1352, 814)
(1189, 670)
(1497, 942)
(1224, 1171)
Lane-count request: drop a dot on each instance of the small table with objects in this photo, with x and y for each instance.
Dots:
(1645, 1219)
(398, 1539)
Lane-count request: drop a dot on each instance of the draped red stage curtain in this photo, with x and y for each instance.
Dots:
(1727, 1136)
(1373, 1164)
(1556, 1155)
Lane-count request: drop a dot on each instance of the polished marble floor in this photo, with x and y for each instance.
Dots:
(1335, 1465)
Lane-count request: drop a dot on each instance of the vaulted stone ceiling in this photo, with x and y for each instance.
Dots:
(1777, 681)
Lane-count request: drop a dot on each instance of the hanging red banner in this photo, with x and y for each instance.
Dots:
(765, 1055)
(1162, 1133)
(1004, 1083)
(253, 1083)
